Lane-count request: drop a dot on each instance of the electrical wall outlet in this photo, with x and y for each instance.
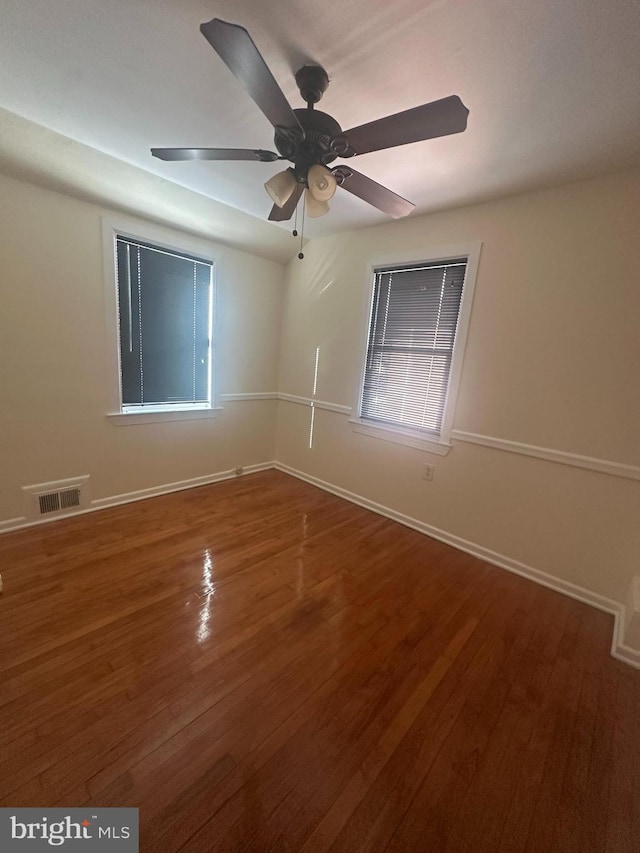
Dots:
(427, 471)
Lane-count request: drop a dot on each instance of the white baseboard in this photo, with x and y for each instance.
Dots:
(167, 488)
(139, 495)
(618, 649)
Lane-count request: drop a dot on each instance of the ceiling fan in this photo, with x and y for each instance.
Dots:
(310, 139)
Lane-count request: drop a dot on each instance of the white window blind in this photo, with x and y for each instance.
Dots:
(164, 307)
(412, 333)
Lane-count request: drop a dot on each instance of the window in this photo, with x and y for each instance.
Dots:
(165, 327)
(415, 344)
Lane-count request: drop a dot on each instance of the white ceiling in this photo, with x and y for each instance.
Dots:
(553, 89)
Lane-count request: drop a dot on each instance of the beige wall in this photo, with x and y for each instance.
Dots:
(552, 360)
(55, 365)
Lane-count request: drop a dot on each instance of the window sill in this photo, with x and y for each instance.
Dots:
(398, 435)
(160, 416)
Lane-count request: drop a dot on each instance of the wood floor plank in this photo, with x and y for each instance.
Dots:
(306, 720)
(261, 666)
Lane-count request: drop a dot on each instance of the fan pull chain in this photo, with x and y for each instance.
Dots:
(304, 199)
(295, 223)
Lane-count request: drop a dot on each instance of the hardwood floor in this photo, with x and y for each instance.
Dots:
(261, 666)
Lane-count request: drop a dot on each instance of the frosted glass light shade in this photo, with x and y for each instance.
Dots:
(280, 187)
(321, 183)
(315, 208)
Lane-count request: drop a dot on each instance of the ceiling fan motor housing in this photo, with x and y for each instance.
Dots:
(322, 140)
(317, 147)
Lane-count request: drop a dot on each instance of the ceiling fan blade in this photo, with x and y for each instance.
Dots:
(373, 193)
(439, 118)
(281, 214)
(215, 154)
(236, 48)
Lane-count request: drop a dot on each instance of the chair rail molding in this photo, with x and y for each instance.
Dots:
(562, 457)
(549, 454)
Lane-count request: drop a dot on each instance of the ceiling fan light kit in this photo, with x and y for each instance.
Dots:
(321, 182)
(314, 207)
(281, 187)
(310, 139)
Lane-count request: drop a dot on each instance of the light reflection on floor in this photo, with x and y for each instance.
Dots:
(208, 591)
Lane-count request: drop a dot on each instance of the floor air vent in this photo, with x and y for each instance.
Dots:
(61, 497)
(53, 501)
(50, 502)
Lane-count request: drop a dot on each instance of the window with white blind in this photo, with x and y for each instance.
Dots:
(164, 327)
(414, 345)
